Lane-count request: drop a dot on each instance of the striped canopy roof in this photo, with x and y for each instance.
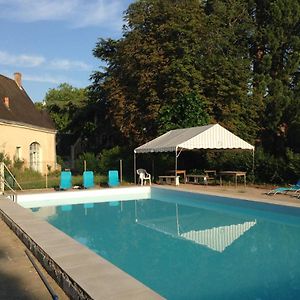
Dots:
(203, 137)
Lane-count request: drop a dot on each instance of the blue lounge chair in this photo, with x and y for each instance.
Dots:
(65, 180)
(283, 190)
(113, 178)
(88, 179)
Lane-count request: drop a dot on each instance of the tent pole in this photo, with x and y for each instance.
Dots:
(253, 163)
(134, 167)
(175, 162)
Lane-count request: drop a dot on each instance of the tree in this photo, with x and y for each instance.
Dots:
(63, 103)
(189, 111)
(276, 60)
(180, 63)
(151, 66)
(226, 67)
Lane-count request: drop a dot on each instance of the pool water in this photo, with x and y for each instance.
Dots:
(197, 250)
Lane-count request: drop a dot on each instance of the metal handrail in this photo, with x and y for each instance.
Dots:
(4, 181)
(13, 177)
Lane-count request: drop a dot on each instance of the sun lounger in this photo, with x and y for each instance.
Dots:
(65, 180)
(283, 190)
(113, 178)
(88, 179)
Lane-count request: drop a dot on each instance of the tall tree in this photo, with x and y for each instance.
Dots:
(276, 63)
(226, 64)
(153, 67)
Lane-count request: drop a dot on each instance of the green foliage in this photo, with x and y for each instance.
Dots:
(18, 164)
(5, 158)
(92, 163)
(293, 135)
(275, 50)
(39, 106)
(62, 104)
(110, 159)
(230, 160)
(151, 66)
(269, 168)
(293, 165)
(187, 111)
(186, 63)
(226, 67)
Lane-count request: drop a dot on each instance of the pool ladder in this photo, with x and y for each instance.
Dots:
(4, 183)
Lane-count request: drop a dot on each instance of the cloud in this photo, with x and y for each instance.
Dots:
(22, 60)
(32, 61)
(32, 10)
(44, 78)
(77, 13)
(65, 64)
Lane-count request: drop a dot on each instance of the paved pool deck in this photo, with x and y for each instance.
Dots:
(18, 279)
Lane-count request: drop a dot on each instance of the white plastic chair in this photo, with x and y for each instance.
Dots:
(143, 176)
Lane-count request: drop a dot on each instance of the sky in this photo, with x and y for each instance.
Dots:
(51, 41)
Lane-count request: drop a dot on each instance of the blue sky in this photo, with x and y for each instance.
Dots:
(51, 41)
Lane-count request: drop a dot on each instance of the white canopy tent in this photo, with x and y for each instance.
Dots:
(214, 137)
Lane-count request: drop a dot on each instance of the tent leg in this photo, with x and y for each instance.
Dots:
(175, 166)
(134, 167)
(175, 162)
(253, 164)
(152, 171)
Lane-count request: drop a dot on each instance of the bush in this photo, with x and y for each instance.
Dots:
(231, 160)
(293, 165)
(18, 164)
(92, 163)
(5, 158)
(110, 159)
(272, 169)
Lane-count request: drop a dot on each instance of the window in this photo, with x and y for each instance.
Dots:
(18, 155)
(34, 152)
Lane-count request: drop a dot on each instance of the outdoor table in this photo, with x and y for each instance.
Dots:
(196, 178)
(178, 172)
(168, 179)
(234, 174)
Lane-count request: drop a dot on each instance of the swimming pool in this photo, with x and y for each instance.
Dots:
(190, 246)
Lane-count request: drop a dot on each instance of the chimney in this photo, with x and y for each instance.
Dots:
(18, 79)
(6, 101)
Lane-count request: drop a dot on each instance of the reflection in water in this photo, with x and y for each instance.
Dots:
(218, 238)
(215, 238)
(66, 208)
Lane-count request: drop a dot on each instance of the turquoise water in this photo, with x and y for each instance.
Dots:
(207, 248)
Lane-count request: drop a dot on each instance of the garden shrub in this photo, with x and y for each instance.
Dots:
(293, 165)
(18, 164)
(92, 163)
(110, 159)
(268, 168)
(5, 158)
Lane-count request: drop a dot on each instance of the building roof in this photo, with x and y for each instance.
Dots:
(21, 109)
(203, 137)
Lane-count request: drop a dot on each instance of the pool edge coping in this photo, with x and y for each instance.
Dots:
(128, 287)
